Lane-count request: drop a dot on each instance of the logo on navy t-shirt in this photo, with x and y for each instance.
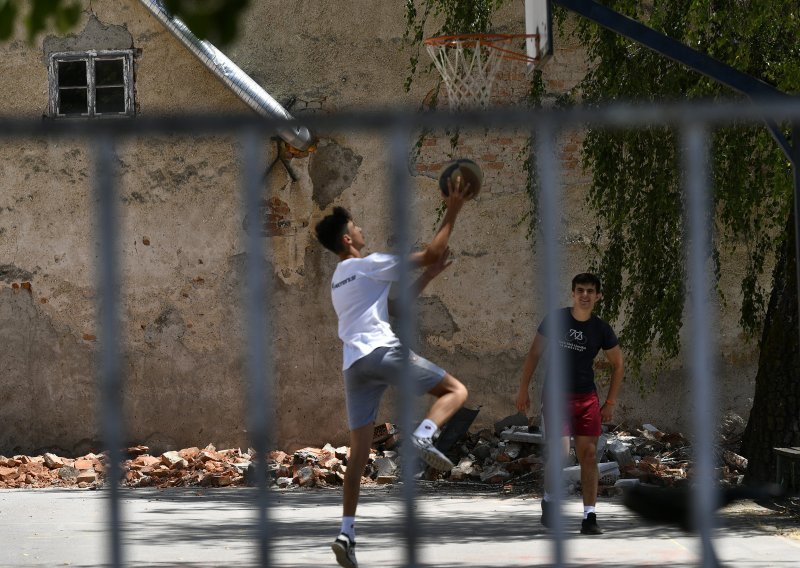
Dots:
(575, 339)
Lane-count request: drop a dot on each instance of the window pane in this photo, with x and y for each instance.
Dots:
(73, 101)
(110, 99)
(108, 72)
(71, 73)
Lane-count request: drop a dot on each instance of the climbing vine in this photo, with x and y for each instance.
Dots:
(215, 20)
(37, 15)
(635, 188)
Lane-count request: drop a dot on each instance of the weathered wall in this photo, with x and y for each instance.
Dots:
(182, 253)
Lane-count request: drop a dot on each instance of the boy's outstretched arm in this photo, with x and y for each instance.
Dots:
(425, 278)
(438, 245)
(431, 271)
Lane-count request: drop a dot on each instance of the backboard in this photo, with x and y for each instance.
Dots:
(539, 22)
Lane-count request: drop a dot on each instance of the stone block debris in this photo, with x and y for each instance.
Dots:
(518, 419)
(521, 434)
(512, 458)
(607, 470)
(621, 452)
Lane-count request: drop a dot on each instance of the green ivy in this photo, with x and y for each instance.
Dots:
(38, 16)
(533, 99)
(215, 20)
(635, 188)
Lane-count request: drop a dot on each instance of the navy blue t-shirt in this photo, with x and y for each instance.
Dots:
(581, 343)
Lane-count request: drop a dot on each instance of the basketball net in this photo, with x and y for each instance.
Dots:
(469, 64)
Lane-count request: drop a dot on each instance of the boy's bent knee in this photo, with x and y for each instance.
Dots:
(459, 389)
(463, 393)
(450, 385)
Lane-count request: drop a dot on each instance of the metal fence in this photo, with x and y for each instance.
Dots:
(694, 123)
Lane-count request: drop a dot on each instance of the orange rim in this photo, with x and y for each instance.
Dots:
(492, 41)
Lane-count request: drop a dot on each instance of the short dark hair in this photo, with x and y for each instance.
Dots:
(586, 278)
(332, 228)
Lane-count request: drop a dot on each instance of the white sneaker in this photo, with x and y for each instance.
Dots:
(345, 551)
(430, 455)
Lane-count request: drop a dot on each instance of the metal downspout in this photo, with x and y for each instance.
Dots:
(229, 73)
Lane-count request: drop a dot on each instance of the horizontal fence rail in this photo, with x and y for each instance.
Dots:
(614, 116)
(693, 121)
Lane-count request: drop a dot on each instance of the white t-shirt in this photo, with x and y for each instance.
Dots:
(360, 294)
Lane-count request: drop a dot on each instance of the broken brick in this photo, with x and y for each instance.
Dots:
(83, 464)
(7, 473)
(88, 476)
(382, 432)
(53, 461)
(173, 460)
(189, 453)
(210, 455)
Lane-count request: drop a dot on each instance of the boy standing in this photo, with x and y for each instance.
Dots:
(585, 335)
(372, 356)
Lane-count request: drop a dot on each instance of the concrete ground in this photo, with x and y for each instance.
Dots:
(192, 527)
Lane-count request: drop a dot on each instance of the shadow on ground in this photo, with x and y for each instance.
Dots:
(294, 526)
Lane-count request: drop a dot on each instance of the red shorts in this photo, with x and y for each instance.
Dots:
(583, 415)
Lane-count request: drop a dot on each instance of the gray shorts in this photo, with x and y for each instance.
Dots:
(367, 379)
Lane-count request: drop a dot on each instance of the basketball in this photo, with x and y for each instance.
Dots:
(469, 172)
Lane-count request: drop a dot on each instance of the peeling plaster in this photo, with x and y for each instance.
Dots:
(95, 36)
(332, 169)
(434, 319)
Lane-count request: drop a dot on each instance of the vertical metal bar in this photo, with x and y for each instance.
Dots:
(259, 339)
(699, 226)
(406, 321)
(795, 156)
(109, 374)
(554, 392)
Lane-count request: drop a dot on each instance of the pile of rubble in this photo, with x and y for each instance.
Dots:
(508, 455)
(189, 466)
(50, 470)
(648, 455)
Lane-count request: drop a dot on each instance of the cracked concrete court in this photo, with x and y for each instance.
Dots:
(209, 528)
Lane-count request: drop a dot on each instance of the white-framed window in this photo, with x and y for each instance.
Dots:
(91, 84)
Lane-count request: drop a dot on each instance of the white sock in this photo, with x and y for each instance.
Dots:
(426, 429)
(587, 509)
(349, 527)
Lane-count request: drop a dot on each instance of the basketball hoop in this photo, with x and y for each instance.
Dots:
(469, 63)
